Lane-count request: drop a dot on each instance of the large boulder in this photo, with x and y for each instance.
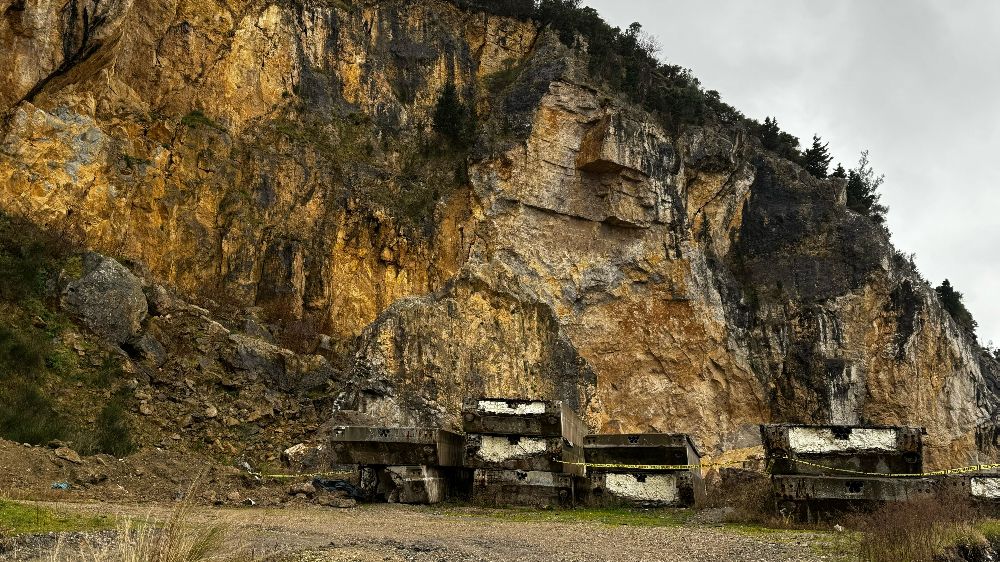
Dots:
(284, 369)
(108, 298)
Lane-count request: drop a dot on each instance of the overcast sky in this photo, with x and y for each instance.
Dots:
(917, 82)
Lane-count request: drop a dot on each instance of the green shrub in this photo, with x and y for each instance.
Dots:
(113, 434)
(22, 353)
(197, 119)
(29, 255)
(27, 414)
(453, 119)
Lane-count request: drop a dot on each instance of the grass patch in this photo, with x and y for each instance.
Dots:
(20, 519)
(615, 516)
(197, 119)
(990, 529)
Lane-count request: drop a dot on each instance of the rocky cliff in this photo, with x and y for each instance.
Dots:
(277, 159)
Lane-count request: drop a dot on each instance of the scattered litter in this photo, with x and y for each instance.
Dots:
(60, 486)
(339, 486)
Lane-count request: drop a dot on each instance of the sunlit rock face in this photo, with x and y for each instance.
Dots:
(281, 156)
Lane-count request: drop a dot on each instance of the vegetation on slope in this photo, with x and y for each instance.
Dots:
(37, 363)
(953, 302)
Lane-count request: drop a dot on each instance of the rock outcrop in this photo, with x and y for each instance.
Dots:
(108, 299)
(279, 155)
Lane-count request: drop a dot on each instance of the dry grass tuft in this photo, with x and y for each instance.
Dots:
(920, 530)
(176, 540)
(182, 537)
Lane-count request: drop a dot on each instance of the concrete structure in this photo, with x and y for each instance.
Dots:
(820, 469)
(628, 469)
(524, 488)
(527, 435)
(396, 446)
(880, 450)
(524, 452)
(401, 464)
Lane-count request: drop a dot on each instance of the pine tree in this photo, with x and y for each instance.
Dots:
(952, 301)
(817, 158)
(781, 143)
(839, 172)
(862, 191)
(770, 134)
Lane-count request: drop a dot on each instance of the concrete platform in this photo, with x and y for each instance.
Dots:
(522, 488)
(514, 452)
(529, 418)
(396, 446)
(873, 449)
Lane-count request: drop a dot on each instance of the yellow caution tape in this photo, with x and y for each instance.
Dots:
(293, 476)
(945, 472)
(655, 466)
(676, 467)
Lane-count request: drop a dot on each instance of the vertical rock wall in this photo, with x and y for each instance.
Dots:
(279, 155)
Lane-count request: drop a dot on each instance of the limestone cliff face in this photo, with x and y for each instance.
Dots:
(279, 155)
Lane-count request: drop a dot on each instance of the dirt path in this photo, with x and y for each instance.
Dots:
(396, 533)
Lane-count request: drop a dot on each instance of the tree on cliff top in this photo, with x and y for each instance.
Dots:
(774, 139)
(862, 190)
(817, 158)
(952, 301)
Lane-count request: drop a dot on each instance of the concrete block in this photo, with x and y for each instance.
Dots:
(665, 489)
(397, 446)
(833, 449)
(522, 488)
(528, 418)
(515, 452)
(415, 485)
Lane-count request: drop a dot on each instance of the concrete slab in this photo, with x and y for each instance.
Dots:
(514, 452)
(522, 488)
(396, 446)
(835, 449)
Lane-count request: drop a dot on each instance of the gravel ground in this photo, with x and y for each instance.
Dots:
(396, 533)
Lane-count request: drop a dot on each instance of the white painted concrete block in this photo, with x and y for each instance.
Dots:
(498, 448)
(502, 407)
(985, 488)
(822, 440)
(655, 488)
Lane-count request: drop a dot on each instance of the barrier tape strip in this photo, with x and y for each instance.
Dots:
(675, 467)
(313, 475)
(945, 472)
